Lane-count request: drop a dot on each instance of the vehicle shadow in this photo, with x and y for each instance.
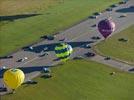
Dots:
(15, 17)
(131, 70)
(126, 10)
(50, 47)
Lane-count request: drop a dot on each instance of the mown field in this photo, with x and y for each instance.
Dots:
(79, 80)
(118, 49)
(19, 27)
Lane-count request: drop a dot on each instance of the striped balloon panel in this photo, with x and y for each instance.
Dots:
(62, 51)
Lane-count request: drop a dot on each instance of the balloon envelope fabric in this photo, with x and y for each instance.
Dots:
(13, 78)
(106, 27)
(63, 51)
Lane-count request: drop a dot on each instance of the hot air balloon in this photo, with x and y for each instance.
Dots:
(106, 27)
(63, 51)
(13, 78)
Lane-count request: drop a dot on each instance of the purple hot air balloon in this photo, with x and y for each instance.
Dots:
(106, 27)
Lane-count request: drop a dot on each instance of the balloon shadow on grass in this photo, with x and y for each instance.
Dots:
(15, 17)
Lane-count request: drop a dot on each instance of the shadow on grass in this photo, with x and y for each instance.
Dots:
(50, 47)
(15, 17)
(126, 10)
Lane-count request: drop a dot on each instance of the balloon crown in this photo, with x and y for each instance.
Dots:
(13, 70)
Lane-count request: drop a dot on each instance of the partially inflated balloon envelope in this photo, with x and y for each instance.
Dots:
(13, 78)
(106, 27)
(63, 51)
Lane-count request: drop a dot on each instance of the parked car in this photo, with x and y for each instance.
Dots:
(122, 2)
(2, 68)
(47, 75)
(107, 58)
(123, 15)
(95, 38)
(49, 37)
(109, 9)
(44, 54)
(6, 57)
(97, 13)
(93, 17)
(3, 89)
(30, 82)
(46, 48)
(87, 46)
(132, 7)
(93, 25)
(113, 6)
(22, 59)
(62, 39)
(90, 54)
(44, 37)
(30, 47)
(122, 39)
(46, 70)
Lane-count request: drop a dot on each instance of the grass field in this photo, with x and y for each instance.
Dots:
(54, 15)
(79, 80)
(117, 49)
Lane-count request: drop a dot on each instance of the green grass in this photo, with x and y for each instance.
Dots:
(117, 49)
(79, 80)
(55, 16)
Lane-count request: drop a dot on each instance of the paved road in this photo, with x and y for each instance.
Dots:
(77, 36)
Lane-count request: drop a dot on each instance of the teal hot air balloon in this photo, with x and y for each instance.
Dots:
(63, 51)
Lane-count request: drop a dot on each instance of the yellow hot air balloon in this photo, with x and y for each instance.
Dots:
(13, 78)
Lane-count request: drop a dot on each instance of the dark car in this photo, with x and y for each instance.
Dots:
(132, 7)
(93, 17)
(93, 25)
(95, 37)
(47, 75)
(113, 6)
(46, 70)
(123, 2)
(123, 15)
(30, 82)
(97, 13)
(20, 60)
(49, 37)
(3, 89)
(90, 54)
(62, 39)
(122, 39)
(109, 9)
(87, 46)
(44, 37)
(44, 54)
(6, 57)
(107, 58)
